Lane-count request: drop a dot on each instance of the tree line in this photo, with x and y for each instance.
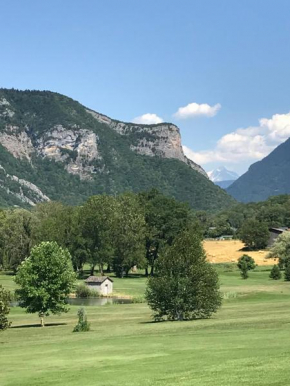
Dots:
(248, 222)
(107, 232)
(115, 233)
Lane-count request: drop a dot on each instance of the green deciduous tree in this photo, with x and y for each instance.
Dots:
(16, 233)
(98, 220)
(165, 219)
(254, 234)
(4, 308)
(185, 285)
(61, 223)
(46, 278)
(129, 235)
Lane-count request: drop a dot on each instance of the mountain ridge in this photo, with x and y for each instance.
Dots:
(265, 178)
(69, 152)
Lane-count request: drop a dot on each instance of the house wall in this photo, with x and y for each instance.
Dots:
(273, 237)
(94, 287)
(106, 287)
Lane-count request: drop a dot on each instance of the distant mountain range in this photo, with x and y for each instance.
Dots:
(268, 177)
(222, 176)
(53, 148)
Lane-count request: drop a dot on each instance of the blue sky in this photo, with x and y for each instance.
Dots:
(127, 58)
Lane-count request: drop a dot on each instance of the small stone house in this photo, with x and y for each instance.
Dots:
(103, 284)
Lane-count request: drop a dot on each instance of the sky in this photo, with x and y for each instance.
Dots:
(218, 69)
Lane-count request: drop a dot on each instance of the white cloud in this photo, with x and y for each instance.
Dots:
(147, 119)
(246, 144)
(195, 109)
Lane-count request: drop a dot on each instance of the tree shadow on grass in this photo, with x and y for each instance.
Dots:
(38, 325)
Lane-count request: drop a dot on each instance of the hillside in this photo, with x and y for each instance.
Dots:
(53, 148)
(269, 177)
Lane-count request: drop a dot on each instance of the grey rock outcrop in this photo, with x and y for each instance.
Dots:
(161, 140)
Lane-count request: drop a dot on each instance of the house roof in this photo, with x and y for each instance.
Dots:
(278, 230)
(97, 279)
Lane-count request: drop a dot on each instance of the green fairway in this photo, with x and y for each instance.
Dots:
(247, 342)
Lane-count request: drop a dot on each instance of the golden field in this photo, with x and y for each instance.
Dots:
(228, 251)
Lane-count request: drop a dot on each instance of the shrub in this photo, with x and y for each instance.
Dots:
(83, 291)
(245, 264)
(4, 308)
(244, 270)
(275, 273)
(248, 260)
(83, 325)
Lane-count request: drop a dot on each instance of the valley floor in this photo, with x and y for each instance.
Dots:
(247, 342)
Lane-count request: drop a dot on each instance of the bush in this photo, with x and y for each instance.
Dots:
(5, 299)
(244, 270)
(83, 291)
(245, 264)
(250, 262)
(83, 325)
(275, 273)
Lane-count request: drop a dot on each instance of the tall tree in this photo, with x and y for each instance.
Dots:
(61, 223)
(186, 285)
(165, 218)
(46, 278)
(17, 237)
(129, 235)
(97, 220)
(254, 234)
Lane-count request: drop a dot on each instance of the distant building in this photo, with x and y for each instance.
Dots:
(274, 233)
(103, 284)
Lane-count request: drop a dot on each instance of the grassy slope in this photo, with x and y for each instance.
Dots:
(246, 342)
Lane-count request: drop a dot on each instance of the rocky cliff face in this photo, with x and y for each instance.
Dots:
(52, 147)
(160, 140)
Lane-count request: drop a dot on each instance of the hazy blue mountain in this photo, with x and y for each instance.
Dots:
(268, 177)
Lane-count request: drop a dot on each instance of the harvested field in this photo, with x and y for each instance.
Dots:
(227, 251)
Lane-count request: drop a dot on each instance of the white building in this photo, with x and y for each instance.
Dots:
(103, 284)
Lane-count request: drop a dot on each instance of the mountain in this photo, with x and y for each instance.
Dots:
(53, 148)
(222, 174)
(269, 177)
(222, 177)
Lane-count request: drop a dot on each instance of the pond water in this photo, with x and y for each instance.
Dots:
(90, 301)
(97, 301)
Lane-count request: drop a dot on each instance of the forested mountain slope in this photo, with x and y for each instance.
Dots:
(53, 148)
(269, 177)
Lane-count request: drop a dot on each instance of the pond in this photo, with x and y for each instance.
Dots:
(97, 301)
(90, 301)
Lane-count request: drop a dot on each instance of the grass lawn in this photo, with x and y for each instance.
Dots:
(246, 343)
